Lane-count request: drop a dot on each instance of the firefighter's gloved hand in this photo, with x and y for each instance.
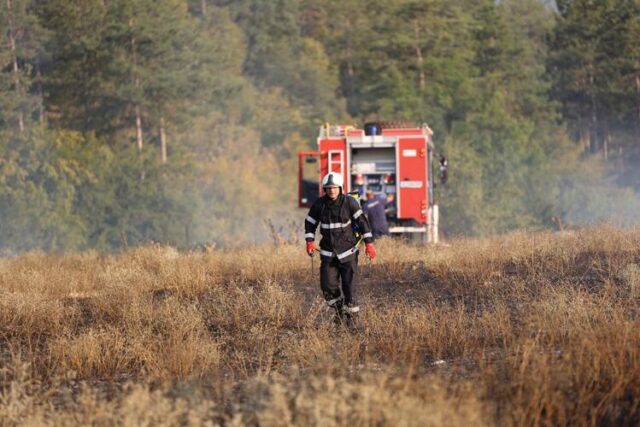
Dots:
(310, 248)
(370, 250)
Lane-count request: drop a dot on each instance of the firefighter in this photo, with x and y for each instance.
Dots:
(358, 183)
(374, 209)
(390, 208)
(335, 213)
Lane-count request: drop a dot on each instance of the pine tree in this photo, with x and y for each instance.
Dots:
(20, 65)
(280, 58)
(592, 62)
(39, 179)
(507, 131)
(167, 82)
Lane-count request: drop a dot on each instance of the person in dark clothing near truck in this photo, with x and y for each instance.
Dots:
(374, 209)
(334, 213)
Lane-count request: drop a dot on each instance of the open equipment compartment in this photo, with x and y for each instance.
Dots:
(374, 169)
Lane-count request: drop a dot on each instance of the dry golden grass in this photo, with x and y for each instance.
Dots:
(525, 329)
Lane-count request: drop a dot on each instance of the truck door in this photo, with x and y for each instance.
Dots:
(308, 178)
(334, 158)
(411, 178)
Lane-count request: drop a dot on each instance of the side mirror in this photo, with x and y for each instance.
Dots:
(444, 172)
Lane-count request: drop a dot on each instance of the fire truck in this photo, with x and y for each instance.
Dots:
(392, 160)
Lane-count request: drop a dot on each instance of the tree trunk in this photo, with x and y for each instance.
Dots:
(138, 128)
(136, 80)
(585, 137)
(350, 68)
(163, 141)
(41, 111)
(14, 60)
(420, 59)
(594, 114)
(203, 7)
(638, 106)
(621, 164)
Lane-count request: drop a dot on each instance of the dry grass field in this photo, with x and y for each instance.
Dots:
(525, 329)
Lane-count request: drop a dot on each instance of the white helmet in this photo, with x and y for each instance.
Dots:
(332, 179)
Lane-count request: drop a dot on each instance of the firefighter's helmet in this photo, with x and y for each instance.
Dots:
(332, 179)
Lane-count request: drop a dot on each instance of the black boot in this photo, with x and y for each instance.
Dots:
(338, 317)
(338, 305)
(351, 317)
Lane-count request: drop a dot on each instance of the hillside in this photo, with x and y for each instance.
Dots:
(523, 329)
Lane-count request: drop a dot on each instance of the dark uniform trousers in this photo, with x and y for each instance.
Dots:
(331, 273)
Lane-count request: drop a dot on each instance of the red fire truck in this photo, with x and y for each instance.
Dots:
(394, 161)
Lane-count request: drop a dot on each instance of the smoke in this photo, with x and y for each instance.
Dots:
(600, 203)
(605, 190)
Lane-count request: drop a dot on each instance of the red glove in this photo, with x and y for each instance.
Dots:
(310, 248)
(370, 250)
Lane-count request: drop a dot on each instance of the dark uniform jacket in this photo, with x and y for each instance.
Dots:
(335, 222)
(374, 210)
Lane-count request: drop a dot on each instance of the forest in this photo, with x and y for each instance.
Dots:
(178, 121)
